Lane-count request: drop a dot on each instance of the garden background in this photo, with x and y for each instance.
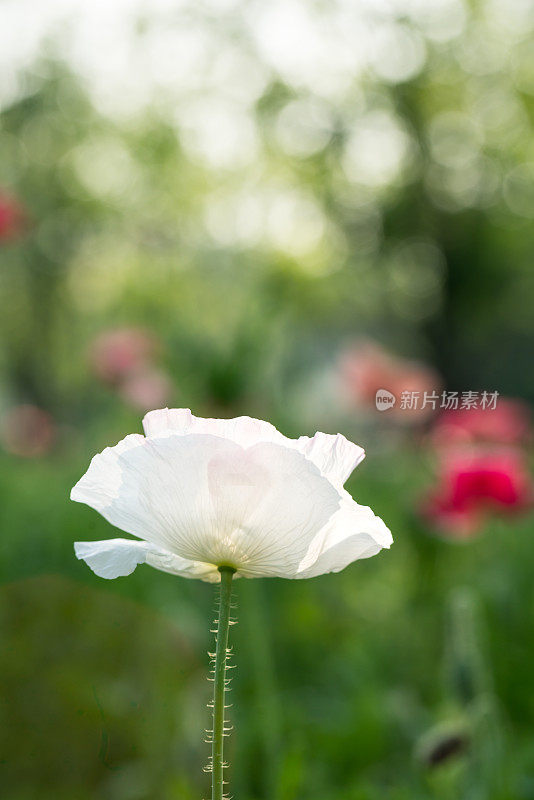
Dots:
(274, 209)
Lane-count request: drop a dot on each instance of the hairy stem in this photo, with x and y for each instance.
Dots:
(219, 683)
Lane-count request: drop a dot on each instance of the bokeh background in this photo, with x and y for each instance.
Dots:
(274, 209)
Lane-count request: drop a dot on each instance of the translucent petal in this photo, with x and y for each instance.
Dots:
(206, 499)
(245, 431)
(333, 454)
(113, 558)
(354, 532)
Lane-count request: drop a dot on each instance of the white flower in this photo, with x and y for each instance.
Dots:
(202, 493)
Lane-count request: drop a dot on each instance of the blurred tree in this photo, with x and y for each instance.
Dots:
(39, 134)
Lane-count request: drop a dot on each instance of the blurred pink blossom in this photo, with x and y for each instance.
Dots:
(473, 484)
(27, 431)
(146, 389)
(508, 423)
(12, 218)
(367, 368)
(120, 352)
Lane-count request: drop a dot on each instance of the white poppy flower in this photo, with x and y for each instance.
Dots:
(204, 493)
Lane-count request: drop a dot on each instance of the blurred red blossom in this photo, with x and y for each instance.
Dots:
(27, 431)
(120, 352)
(12, 217)
(508, 423)
(366, 368)
(474, 484)
(146, 389)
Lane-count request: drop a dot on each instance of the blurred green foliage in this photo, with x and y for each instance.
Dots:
(397, 208)
(104, 685)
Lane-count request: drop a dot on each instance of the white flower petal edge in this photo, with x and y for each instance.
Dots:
(114, 558)
(200, 493)
(354, 532)
(333, 454)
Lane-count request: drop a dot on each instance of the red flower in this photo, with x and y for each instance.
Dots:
(12, 218)
(508, 423)
(474, 484)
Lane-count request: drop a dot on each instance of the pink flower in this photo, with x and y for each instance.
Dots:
(146, 389)
(118, 353)
(474, 484)
(367, 368)
(27, 431)
(12, 218)
(508, 423)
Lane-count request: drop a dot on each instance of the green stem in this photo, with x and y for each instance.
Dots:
(219, 683)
